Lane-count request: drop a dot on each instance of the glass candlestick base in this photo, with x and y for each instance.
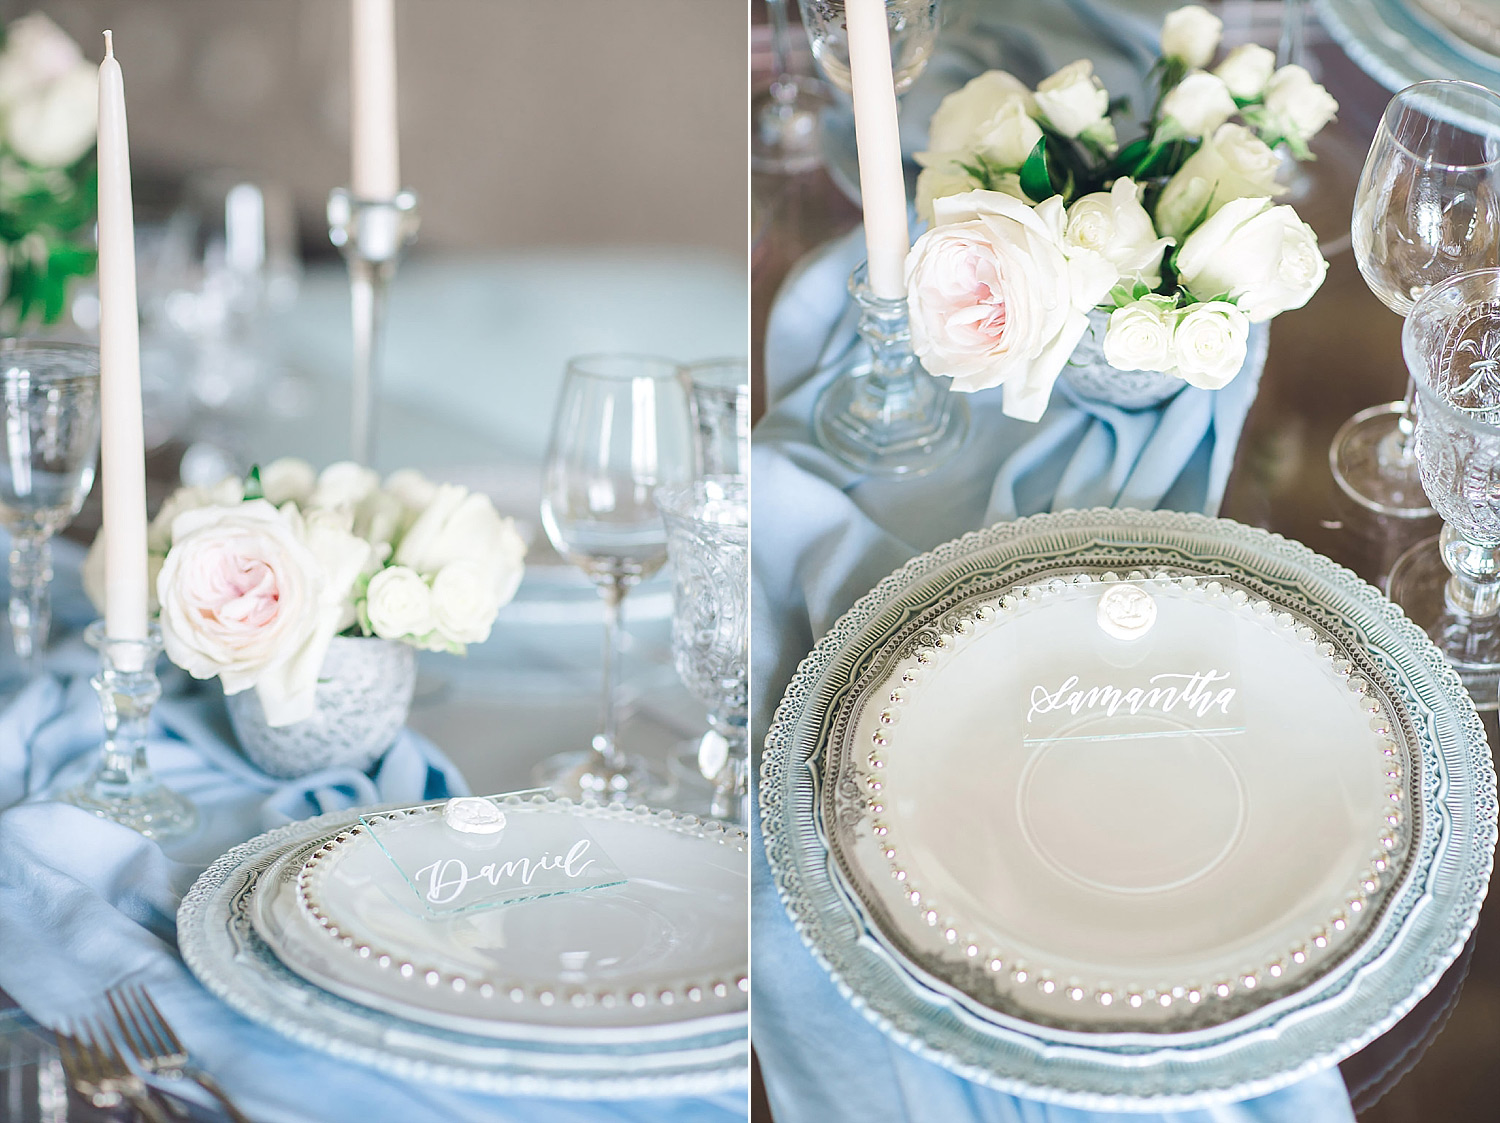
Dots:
(122, 787)
(885, 415)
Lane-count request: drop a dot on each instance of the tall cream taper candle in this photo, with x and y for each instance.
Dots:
(123, 451)
(881, 184)
(372, 96)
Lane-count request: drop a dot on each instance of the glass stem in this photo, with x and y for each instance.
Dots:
(1406, 424)
(783, 87)
(1293, 29)
(368, 285)
(731, 785)
(30, 611)
(606, 743)
(1474, 588)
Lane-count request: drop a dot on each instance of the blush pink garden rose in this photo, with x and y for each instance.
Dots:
(249, 595)
(996, 300)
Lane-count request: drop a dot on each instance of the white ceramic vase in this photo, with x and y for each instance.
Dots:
(363, 696)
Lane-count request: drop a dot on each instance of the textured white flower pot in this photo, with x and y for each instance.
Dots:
(363, 696)
(1089, 375)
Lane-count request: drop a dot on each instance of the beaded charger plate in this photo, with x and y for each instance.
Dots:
(658, 955)
(1282, 944)
(220, 945)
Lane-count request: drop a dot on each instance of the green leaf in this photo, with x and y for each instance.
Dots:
(253, 488)
(1036, 180)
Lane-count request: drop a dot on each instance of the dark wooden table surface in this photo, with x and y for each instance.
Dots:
(1337, 355)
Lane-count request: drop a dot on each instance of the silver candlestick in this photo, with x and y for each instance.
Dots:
(122, 786)
(372, 233)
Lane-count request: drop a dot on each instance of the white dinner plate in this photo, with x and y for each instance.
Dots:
(661, 956)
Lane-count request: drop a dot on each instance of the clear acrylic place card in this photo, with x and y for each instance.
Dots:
(1130, 664)
(481, 852)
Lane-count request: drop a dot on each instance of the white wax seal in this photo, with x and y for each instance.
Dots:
(473, 815)
(1126, 611)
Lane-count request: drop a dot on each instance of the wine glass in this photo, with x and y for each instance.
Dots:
(708, 540)
(913, 25)
(623, 428)
(784, 116)
(1426, 209)
(51, 446)
(1450, 586)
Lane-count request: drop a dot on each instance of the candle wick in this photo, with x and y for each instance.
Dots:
(109, 44)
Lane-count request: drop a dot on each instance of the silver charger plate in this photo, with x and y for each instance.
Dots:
(1424, 924)
(220, 946)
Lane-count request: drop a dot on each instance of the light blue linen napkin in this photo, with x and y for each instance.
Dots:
(86, 904)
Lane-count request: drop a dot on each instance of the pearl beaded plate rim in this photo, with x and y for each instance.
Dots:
(681, 859)
(220, 946)
(874, 744)
(1428, 918)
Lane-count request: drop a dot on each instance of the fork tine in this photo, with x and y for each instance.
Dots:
(136, 1034)
(108, 1049)
(162, 1026)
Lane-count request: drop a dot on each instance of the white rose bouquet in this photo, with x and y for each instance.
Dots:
(253, 578)
(49, 108)
(1037, 216)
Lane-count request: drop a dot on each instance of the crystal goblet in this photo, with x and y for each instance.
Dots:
(913, 24)
(719, 390)
(708, 541)
(622, 429)
(1450, 586)
(784, 116)
(1427, 208)
(50, 447)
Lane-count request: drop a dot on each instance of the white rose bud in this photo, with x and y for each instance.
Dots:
(344, 484)
(1075, 103)
(463, 602)
(1234, 163)
(1139, 335)
(1114, 225)
(1262, 257)
(1191, 35)
(1246, 70)
(940, 182)
(1209, 344)
(1200, 103)
(228, 492)
(37, 53)
(1297, 107)
(57, 124)
(969, 113)
(459, 525)
(399, 604)
(288, 480)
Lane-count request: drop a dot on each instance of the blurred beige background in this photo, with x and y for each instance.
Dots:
(523, 122)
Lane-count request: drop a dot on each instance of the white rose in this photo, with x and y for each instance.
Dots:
(460, 525)
(935, 182)
(1209, 344)
(1296, 106)
(343, 554)
(1139, 335)
(1191, 35)
(228, 492)
(1246, 70)
(1076, 104)
(1200, 103)
(1114, 225)
(37, 53)
(994, 299)
(344, 484)
(379, 520)
(244, 598)
(1234, 163)
(411, 487)
(1262, 257)
(288, 480)
(399, 604)
(1009, 136)
(968, 113)
(56, 125)
(463, 602)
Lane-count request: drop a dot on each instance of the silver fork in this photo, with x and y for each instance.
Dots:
(99, 1073)
(146, 1034)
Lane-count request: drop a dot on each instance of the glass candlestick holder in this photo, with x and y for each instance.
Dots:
(884, 415)
(372, 233)
(122, 787)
